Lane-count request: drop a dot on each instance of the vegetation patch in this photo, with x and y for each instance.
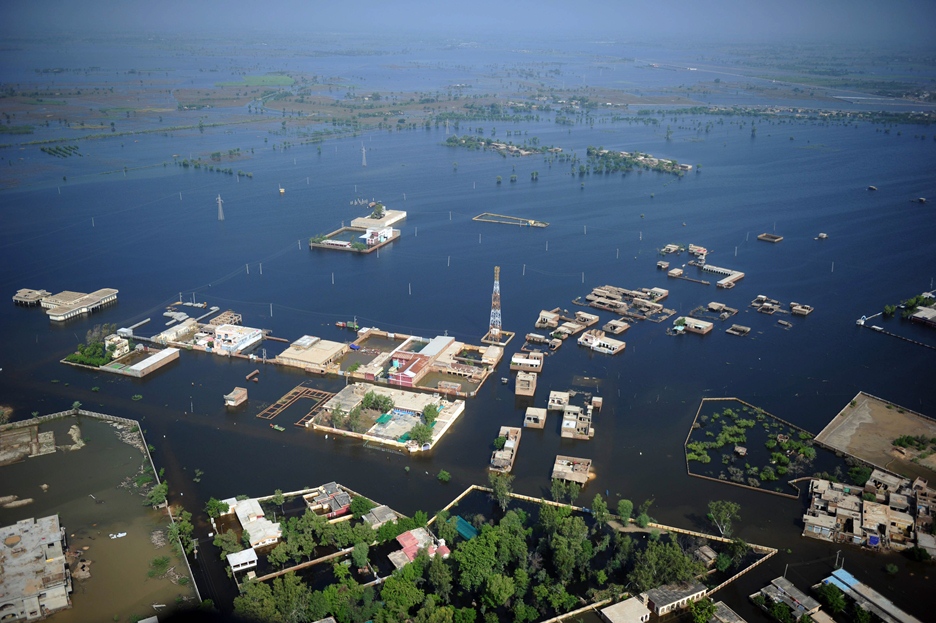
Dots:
(268, 80)
(736, 442)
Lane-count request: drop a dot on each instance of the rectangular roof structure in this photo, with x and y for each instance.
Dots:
(166, 353)
(242, 559)
(668, 594)
(628, 611)
(801, 598)
(309, 350)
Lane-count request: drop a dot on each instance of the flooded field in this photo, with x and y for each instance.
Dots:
(92, 491)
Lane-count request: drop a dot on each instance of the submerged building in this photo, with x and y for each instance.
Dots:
(34, 576)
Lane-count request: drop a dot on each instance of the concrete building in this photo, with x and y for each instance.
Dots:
(695, 325)
(526, 384)
(66, 305)
(379, 515)
(236, 398)
(535, 417)
(34, 576)
(596, 340)
(260, 531)
(312, 353)
(413, 542)
(121, 345)
(572, 469)
(665, 599)
(232, 338)
(558, 401)
(242, 560)
(630, 610)
(528, 362)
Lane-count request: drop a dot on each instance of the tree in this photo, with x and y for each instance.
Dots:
(721, 513)
(278, 556)
(558, 489)
(722, 562)
(359, 555)
(76, 406)
(625, 509)
(256, 603)
(430, 413)
(860, 615)
(228, 543)
(500, 488)
(444, 476)
(440, 578)
(500, 442)
(157, 495)
(360, 506)
(600, 510)
(832, 596)
(216, 508)
(399, 595)
(663, 563)
(702, 610)
(421, 434)
(737, 549)
(476, 560)
(643, 520)
(181, 531)
(497, 590)
(279, 499)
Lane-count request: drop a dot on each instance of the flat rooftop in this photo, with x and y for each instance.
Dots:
(389, 218)
(312, 350)
(33, 560)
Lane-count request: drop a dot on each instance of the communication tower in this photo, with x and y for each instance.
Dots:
(496, 334)
(495, 306)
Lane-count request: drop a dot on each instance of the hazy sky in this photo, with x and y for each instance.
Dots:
(905, 21)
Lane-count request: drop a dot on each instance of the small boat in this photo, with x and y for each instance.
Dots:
(341, 325)
(784, 323)
(118, 535)
(872, 187)
(277, 427)
(282, 190)
(504, 380)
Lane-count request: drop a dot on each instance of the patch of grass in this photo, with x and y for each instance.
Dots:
(137, 397)
(158, 567)
(143, 479)
(268, 80)
(16, 129)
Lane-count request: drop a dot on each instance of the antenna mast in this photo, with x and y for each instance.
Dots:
(496, 306)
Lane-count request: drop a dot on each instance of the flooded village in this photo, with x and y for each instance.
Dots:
(309, 401)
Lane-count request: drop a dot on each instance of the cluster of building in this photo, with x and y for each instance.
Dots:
(67, 304)
(502, 459)
(889, 512)
(34, 576)
(373, 231)
(392, 428)
(641, 304)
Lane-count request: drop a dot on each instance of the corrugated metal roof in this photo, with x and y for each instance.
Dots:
(845, 577)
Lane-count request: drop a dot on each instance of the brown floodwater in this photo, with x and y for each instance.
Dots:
(119, 584)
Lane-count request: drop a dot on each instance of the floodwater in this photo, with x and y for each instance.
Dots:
(155, 236)
(83, 490)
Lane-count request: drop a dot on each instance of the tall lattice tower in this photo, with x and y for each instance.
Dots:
(220, 209)
(363, 155)
(495, 306)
